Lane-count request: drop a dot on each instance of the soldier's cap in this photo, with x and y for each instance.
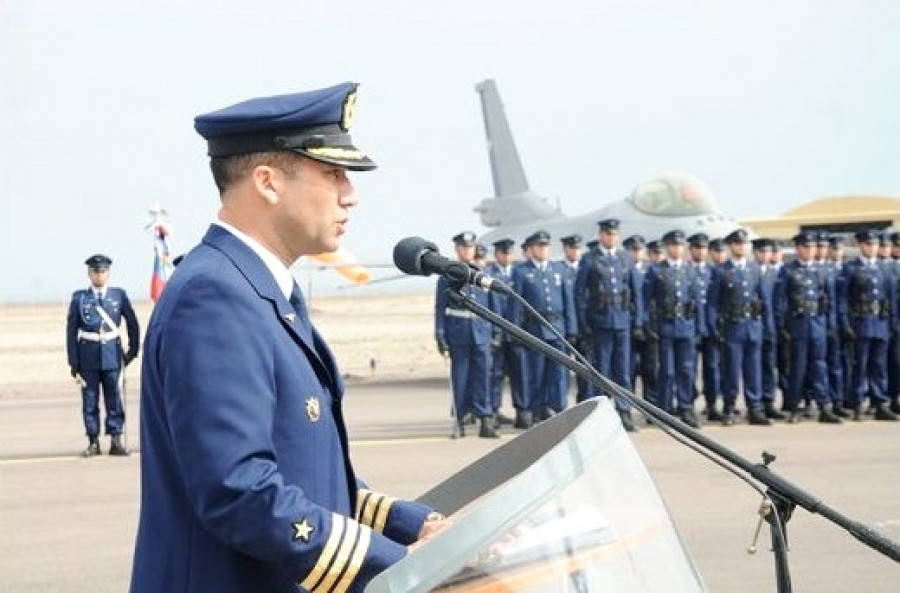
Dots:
(466, 238)
(538, 238)
(312, 123)
(717, 245)
(98, 262)
(737, 236)
(895, 239)
(609, 225)
(805, 238)
(698, 240)
(762, 244)
(883, 238)
(634, 242)
(836, 242)
(822, 238)
(866, 236)
(572, 240)
(503, 244)
(673, 238)
(654, 246)
(480, 251)
(592, 244)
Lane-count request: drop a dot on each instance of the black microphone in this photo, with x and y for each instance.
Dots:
(418, 257)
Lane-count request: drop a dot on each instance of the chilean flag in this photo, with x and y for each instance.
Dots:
(162, 263)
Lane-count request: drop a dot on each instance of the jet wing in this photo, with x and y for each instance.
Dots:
(566, 506)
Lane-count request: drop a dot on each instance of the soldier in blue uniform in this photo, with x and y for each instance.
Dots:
(762, 251)
(655, 252)
(708, 354)
(673, 295)
(610, 306)
(802, 320)
(838, 373)
(572, 255)
(466, 338)
(543, 285)
(507, 355)
(644, 350)
(95, 352)
(865, 297)
(892, 265)
(738, 311)
(246, 478)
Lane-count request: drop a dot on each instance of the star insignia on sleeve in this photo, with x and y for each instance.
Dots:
(302, 530)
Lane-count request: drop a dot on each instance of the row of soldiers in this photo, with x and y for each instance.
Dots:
(694, 316)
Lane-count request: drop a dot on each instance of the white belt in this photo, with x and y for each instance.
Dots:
(459, 313)
(97, 336)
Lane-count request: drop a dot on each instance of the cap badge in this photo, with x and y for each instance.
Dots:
(302, 530)
(312, 409)
(349, 110)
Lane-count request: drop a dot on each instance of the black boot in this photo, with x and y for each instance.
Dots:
(895, 405)
(627, 422)
(771, 412)
(794, 416)
(688, 417)
(728, 416)
(827, 415)
(758, 417)
(839, 410)
(857, 413)
(883, 412)
(503, 419)
(712, 414)
(116, 448)
(487, 430)
(93, 448)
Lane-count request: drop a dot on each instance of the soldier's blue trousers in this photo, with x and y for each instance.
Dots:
(112, 400)
(743, 363)
(612, 352)
(870, 372)
(645, 364)
(808, 356)
(769, 370)
(506, 361)
(710, 356)
(677, 361)
(837, 374)
(548, 381)
(471, 383)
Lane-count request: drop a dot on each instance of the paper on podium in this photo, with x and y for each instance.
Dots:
(566, 506)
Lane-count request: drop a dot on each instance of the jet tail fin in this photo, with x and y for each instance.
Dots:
(513, 199)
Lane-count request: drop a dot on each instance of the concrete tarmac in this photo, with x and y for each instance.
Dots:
(68, 524)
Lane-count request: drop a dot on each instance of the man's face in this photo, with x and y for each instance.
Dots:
(738, 249)
(540, 251)
(836, 254)
(775, 257)
(718, 257)
(99, 277)
(884, 250)
(869, 248)
(762, 256)
(805, 252)
(504, 258)
(465, 253)
(573, 254)
(895, 251)
(822, 251)
(698, 254)
(675, 251)
(639, 254)
(657, 256)
(609, 239)
(313, 207)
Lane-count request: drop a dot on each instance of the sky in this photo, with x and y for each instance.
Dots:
(771, 103)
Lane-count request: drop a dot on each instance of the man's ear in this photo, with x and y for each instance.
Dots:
(266, 181)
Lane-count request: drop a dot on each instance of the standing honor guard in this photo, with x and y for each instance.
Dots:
(644, 351)
(610, 306)
(762, 251)
(865, 296)
(673, 295)
(738, 310)
(571, 259)
(467, 339)
(541, 283)
(95, 352)
(707, 347)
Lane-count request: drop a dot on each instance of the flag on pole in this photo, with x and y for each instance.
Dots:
(162, 259)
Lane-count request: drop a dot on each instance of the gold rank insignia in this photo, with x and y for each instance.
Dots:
(302, 530)
(349, 110)
(312, 409)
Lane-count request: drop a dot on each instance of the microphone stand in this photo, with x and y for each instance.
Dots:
(783, 494)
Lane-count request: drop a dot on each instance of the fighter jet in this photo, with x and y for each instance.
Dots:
(670, 201)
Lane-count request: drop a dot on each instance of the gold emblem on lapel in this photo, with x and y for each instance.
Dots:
(302, 530)
(312, 409)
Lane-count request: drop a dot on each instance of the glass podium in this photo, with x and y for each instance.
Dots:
(566, 506)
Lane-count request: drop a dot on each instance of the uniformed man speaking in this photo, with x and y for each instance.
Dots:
(96, 356)
(246, 480)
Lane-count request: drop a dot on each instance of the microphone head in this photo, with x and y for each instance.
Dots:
(408, 255)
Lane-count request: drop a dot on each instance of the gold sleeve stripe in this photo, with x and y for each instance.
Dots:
(341, 559)
(368, 514)
(338, 525)
(382, 515)
(362, 497)
(356, 561)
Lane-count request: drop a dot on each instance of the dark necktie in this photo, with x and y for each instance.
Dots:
(302, 322)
